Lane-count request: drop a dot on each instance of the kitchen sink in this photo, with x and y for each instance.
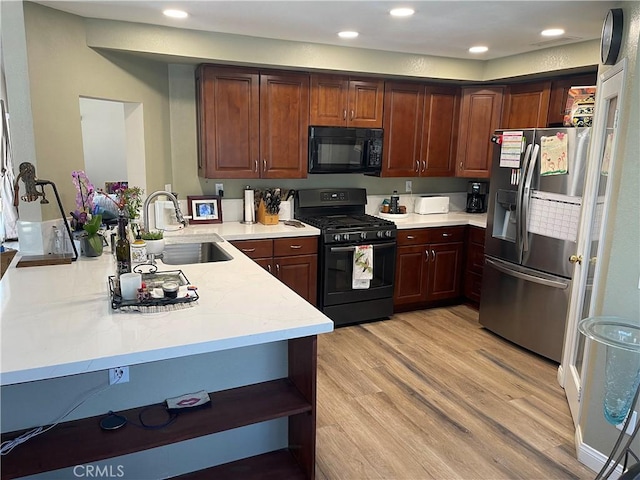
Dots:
(185, 253)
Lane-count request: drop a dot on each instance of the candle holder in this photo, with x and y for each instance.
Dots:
(622, 380)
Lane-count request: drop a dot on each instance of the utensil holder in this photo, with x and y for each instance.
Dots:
(264, 217)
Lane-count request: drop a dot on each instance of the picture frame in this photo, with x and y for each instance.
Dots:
(205, 209)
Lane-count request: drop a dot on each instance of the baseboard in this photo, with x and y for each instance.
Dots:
(592, 458)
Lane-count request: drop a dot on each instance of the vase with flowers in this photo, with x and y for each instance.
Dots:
(84, 200)
(91, 241)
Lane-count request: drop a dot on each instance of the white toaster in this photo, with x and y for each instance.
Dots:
(431, 204)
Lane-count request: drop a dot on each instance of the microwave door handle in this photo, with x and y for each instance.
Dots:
(526, 198)
(523, 168)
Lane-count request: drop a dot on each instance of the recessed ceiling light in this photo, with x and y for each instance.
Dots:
(402, 12)
(478, 49)
(175, 13)
(348, 34)
(552, 32)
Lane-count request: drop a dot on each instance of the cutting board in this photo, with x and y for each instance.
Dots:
(41, 260)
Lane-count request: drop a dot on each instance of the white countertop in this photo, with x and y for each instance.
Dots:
(238, 231)
(414, 220)
(57, 320)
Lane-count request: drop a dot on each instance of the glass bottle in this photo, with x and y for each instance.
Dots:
(395, 200)
(123, 247)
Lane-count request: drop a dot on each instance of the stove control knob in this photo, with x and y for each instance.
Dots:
(380, 234)
(363, 235)
(336, 237)
(345, 236)
(388, 233)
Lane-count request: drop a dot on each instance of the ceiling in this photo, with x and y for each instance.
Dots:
(440, 28)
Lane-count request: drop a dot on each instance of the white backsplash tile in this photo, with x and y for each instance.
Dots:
(457, 201)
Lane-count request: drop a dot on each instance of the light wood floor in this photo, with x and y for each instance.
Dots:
(432, 395)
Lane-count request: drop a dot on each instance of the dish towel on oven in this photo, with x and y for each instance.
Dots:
(362, 266)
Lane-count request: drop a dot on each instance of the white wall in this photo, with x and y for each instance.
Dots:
(103, 140)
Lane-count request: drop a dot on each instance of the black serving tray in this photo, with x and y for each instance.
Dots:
(152, 279)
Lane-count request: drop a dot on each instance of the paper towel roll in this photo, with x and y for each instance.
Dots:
(249, 209)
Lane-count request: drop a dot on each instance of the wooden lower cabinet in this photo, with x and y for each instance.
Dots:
(474, 264)
(293, 261)
(429, 265)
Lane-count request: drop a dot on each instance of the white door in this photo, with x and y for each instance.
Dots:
(593, 231)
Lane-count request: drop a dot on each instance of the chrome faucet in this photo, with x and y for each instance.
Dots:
(171, 197)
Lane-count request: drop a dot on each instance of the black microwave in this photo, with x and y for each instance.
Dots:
(345, 150)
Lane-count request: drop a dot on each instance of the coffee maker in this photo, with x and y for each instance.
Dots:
(477, 197)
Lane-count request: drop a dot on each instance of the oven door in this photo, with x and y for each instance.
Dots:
(337, 275)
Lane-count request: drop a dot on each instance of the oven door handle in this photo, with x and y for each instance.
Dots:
(352, 248)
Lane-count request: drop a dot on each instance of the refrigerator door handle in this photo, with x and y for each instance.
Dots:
(526, 276)
(526, 198)
(519, 230)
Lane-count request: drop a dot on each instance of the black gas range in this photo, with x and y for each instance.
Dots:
(340, 215)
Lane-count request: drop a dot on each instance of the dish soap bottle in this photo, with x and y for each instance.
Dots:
(395, 200)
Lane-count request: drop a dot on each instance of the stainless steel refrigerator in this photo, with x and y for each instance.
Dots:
(535, 198)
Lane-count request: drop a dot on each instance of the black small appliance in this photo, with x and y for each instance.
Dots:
(345, 150)
(477, 197)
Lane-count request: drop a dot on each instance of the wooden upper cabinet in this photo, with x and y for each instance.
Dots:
(252, 124)
(341, 101)
(480, 112)
(526, 105)
(403, 116)
(284, 125)
(228, 122)
(420, 130)
(559, 93)
(439, 131)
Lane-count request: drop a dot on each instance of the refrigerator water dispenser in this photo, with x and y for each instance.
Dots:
(505, 216)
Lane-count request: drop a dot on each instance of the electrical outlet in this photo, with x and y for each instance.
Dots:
(408, 186)
(219, 188)
(118, 375)
(632, 423)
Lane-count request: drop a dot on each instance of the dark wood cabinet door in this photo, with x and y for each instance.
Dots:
(228, 122)
(445, 268)
(284, 125)
(300, 273)
(411, 275)
(365, 103)
(526, 105)
(440, 131)
(480, 113)
(266, 263)
(559, 93)
(328, 100)
(403, 114)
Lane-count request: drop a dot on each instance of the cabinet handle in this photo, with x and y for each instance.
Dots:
(269, 267)
(352, 114)
(295, 247)
(426, 252)
(433, 254)
(461, 165)
(278, 270)
(446, 234)
(424, 165)
(417, 166)
(248, 250)
(410, 237)
(256, 166)
(344, 114)
(264, 164)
